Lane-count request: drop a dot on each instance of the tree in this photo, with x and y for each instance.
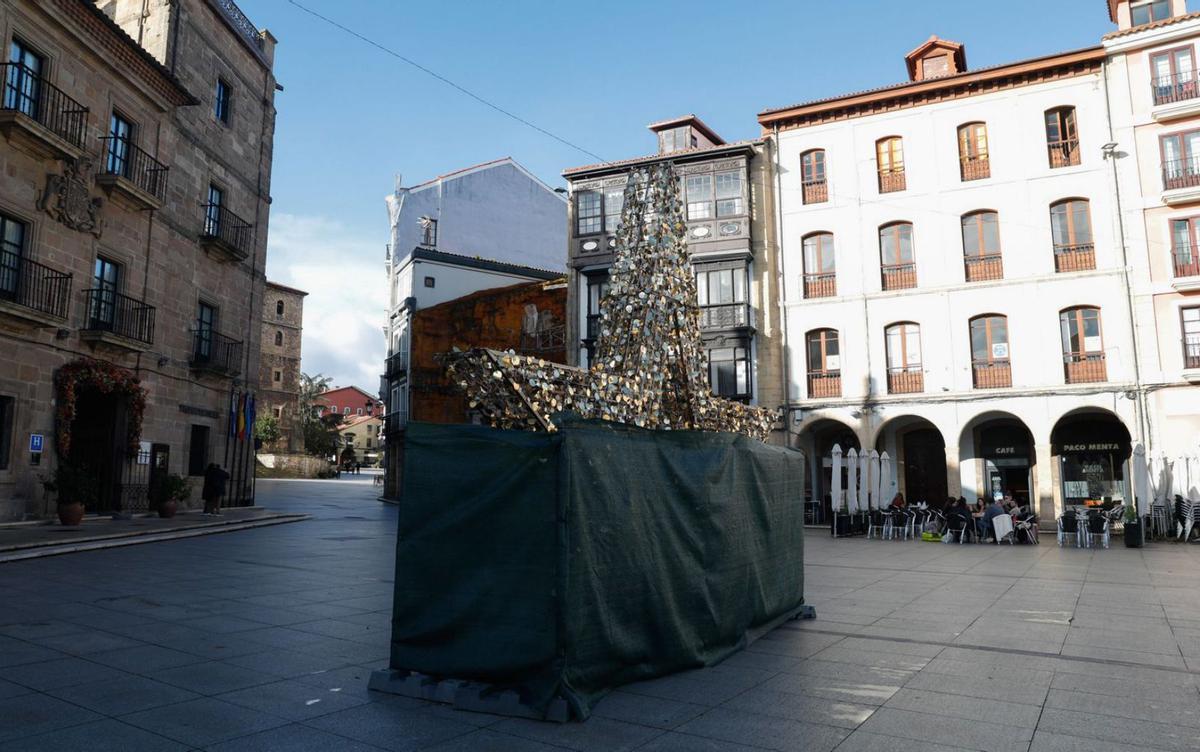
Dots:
(266, 429)
(320, 431)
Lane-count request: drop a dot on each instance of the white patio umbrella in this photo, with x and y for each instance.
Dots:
(852, 482)
(885, 480)
(864, 480)
(835, 486)
(1141, 481)
(873, 486)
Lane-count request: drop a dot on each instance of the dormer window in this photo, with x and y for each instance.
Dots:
(933, 67)
(936, 58)
(676, 139)
(1149, 12)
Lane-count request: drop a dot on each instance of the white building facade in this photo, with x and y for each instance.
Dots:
(956, 281)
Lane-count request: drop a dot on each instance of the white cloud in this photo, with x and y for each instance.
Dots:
(343, 273)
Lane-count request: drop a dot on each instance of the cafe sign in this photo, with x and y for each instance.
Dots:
(1093, 446)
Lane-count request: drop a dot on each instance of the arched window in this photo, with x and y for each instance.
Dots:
(973, 151)
(1071, 231)
(990, 365)
(820, 273)
(904, 375)
(1083, 345)
(278, 307)
(889, 152)
(981, 246)
(896, 256)
(1062, 137)
(278, 339)
(824, 363)
(812, 176)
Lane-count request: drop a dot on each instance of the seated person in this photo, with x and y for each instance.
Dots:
(898, 501)
(995, 510)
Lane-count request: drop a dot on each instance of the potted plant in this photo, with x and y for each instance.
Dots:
(172, 489)
(1133, 527)
(74, 488)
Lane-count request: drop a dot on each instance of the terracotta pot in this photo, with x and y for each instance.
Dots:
(167, 509)
(70, 514)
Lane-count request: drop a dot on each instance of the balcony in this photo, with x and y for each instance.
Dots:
(132, 175)
(1063, 153)
(975, 168)
(397, 365)
(899, 276)
(992, 374)
(1084, 368)
(1080, 257)
(33, 291)
(1175, 96)
(118, 319)
(825, 384)
(215, 352)
(1181, 181)
(815, 191)
(984, 268)
(225, 233)
(906, 380)
(725, 316)
(1191, 351)
(822, 285)
(1185, 263)
(394, 423)
(39, 116)
(892, 180)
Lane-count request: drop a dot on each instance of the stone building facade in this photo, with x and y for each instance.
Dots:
(279, 366)
(134, 196)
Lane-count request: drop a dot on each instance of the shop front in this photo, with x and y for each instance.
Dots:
(1092, 461)
(1007, 457)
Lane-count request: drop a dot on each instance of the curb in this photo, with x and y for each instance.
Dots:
(35, 551)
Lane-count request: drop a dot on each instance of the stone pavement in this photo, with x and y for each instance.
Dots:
(264, 640)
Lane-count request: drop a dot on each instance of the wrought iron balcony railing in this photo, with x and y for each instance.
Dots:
(109, 311)
(32, 95)
(899, 276)
(34, 286)
(905, 380)
(725, 316)
(892, 180)
(1074, 258)
(1191, 351)
(213, 351)
(1084, 367)
(124, 159)
(1178, 87)
(1181, 173)
(1063, 153)
(397, 364)
(992, 374)
(824, 384)
(823, 285)
(815, 191)
(975, 168)
(984, 268)
(226, 228)
(1186, 260)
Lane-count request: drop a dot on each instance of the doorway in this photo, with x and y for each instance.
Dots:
(98, 436)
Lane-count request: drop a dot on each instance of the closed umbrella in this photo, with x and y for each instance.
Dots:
(873, 486)
(852, 482)
(885, 480)
(864, 479)
(1141, 481)
(835, 489)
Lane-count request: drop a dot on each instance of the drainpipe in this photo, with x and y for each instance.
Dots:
(781, 281)
(1139, 389)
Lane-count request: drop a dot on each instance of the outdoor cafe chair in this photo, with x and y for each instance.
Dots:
(1068, 527)
(959, 528)
(877, 523)
(1096, 530)
(1002, 527)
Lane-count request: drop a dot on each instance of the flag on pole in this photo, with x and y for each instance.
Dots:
(241, 417)
(232, 413)
(250, 415)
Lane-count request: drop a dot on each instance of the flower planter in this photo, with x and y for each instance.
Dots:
(1133, 534)
(167, 509)
(70, 514)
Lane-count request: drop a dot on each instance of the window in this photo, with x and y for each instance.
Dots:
(345, 411)
(1071, 231)
(120, 136)
(206, 319)
(279, 339)
(198, 450)
(1174, 76)
(102, 300)
(989, 352)
(824, 363)
(932, 67)
(729, 194)
(1184, 251)
(890, 155)
(1190, 323)
(222, 101)
(699, 197)
(430, 282)
(729, 371)
(597, 288)
(23, 85)
(7, 408)
(677, 139)
(277, 376)
(333, 409)
(12, 248)
(589, 212)
(1083, 345)
(360, 411)
(973, 151)
(278, 307)
(1062, 137)
(1180, 160)
(812, 176)
(981, 246)
(278, 412)
(429, 231)
(212, 212)
(721, 295)
(1149, 12)
(820, 273)
(905, 375)
(896, 256)
(704, 203)
(614, 202)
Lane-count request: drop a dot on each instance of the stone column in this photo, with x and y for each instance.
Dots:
(953, 473)
(1046, 483)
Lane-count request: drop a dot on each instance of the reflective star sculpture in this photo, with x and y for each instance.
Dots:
(650, 369)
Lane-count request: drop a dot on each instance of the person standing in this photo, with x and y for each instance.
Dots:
(214, 488)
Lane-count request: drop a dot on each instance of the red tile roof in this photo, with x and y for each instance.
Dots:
(661, 157)
(1147, 27)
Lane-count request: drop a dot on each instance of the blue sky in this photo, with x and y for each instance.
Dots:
(351, 117)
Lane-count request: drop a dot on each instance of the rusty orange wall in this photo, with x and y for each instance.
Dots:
(491, 319)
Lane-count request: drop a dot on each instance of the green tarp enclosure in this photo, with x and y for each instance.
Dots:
(561, 565)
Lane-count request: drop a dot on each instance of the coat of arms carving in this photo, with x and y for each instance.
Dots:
(68, 197)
